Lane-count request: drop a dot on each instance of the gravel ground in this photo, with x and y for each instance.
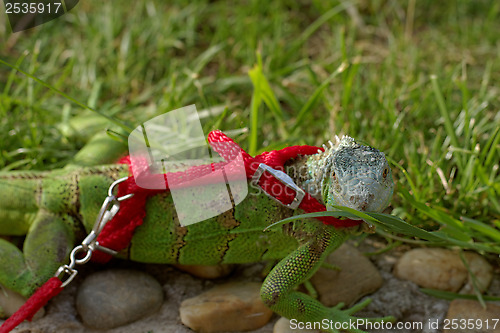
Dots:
(396, 297)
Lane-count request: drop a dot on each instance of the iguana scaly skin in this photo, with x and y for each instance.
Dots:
(56, 209)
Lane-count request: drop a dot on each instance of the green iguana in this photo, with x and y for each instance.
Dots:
(56, 209)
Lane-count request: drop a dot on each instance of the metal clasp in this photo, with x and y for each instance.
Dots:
(109, 208)
(284, 179)
(68, 270)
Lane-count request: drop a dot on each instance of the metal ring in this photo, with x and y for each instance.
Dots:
(85, 259)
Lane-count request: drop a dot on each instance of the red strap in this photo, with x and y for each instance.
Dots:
(119, 231)
(50, 289)
(276, 159)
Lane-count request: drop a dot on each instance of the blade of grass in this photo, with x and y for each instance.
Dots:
(448, 295)
(313, 100)
(254, 120)
(485, 80)
(448, 124)
(407, 176)
(307, 33)
(492, 148)
(12, 74)
(481, 227)
(347, 82)
(473, 278)
(260, 82)
(459, 229)
(57, 91)
(387, 222)
(395, 224)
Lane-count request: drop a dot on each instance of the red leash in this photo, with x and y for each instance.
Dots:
(43, 294)
(118, 232)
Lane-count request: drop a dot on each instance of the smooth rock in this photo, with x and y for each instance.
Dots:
(482, 270)
(205, 271)
(113, 298)
(283, 325)
(475, 318)
(231, 307)
(443, 269)
(11, 301)
(356, 278)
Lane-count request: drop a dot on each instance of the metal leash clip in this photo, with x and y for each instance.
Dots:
(110, 207)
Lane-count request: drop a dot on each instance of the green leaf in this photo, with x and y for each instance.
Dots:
(447, 295)
(261, 84)
(395, 224)
(387, 222)
(483, 228)
(453, 226)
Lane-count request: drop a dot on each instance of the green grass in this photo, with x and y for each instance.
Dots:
(417, 79)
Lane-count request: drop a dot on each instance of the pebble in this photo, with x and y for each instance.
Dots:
(472, 313)
(283, 326)
(356, 278)
(232, 307)
(443, 269)
(205, 271)
(113, 298)
(11, 301)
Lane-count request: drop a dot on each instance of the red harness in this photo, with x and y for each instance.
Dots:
(118, 232)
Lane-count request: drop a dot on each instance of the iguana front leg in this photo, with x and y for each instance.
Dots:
(278, 292)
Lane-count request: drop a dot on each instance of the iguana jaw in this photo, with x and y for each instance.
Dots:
(364, 194)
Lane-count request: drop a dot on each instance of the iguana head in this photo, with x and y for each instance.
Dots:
(356, 176)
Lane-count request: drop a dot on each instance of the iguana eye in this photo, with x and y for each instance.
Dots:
(385, 172)
(334, 176)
